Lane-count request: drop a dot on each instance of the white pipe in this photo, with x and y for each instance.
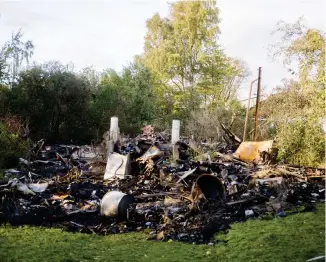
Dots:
(175, 131)
(114, 129)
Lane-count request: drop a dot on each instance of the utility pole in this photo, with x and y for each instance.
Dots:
(257, 103)
(247, 114)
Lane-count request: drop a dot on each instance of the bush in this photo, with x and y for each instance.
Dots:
(301, 143)
(205, 123)
(54, 102)
(12, 148)
(129, 96)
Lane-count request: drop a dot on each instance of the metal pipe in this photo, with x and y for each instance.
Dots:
(257, 103)
(247, 114)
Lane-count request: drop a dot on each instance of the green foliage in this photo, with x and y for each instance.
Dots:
(4, 100)
(307, 46)
(11, 149)
(205, 123)
(301, 142)
(53, 102)
(129, 96)
(182, 69)
(12, 54)
(297, 114)
(140, 105)
(220, 79)
(183, 73)
(91, 77)
(298, 108)
(59, 105)
(190, 69)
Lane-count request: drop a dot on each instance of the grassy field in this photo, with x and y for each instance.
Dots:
(294, 238)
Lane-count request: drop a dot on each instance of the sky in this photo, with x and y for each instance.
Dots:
(109, 33)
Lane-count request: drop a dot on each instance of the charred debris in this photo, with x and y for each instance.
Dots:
(184, 191)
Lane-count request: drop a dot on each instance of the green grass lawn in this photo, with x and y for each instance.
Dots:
(293, 238)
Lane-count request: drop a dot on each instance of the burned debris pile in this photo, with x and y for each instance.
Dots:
(185, 192)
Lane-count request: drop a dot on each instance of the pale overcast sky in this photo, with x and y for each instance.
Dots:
(108, 33)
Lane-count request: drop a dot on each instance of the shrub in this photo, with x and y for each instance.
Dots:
(301, 143)
(205, 124)
(12, 148)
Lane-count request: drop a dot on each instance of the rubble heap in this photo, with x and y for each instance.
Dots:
(184, 192)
